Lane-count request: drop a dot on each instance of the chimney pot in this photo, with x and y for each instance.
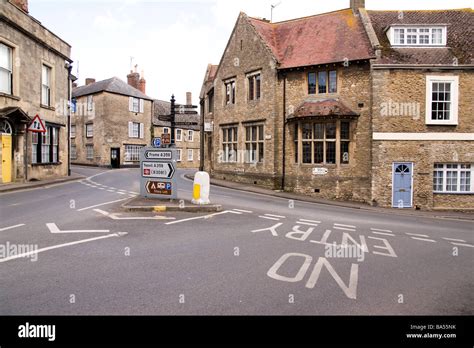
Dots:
(89, 81)
(356, 4)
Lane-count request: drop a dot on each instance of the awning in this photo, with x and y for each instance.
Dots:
(322, 109)
(14, 114)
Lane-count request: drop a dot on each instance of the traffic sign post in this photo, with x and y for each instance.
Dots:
(157, 173)
(156, 142)
(37, 125)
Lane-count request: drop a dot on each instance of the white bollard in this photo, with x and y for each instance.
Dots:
(201, 188)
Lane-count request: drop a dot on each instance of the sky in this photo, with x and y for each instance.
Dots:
(172, 42)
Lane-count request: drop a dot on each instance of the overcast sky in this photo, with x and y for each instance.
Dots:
(172, 41)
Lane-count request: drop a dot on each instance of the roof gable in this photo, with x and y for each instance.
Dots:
(112, 85)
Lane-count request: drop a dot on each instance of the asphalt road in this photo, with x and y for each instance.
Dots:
(93, 258)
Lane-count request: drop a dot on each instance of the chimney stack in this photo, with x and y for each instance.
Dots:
(356, 4)
(133, 79)
(142, 83)
(89, 81)
(189, 98)
(21, 4)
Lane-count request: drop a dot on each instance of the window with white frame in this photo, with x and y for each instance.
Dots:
(135, 105)
(442, 100)
(229, 92)
(254, 84)
(136, 130)
(166, 130)
(6, 69)
(453, 177)
(418, 36)
(45, 146)
(190, 155)
(90, 151)
(254, 143)
(46, 85)
(132, 153)
(89, 130)
(229, 144)
(178, 154)
(73, 152)
(73, 131)
(179, 134)
(190, 135)
(90, 103)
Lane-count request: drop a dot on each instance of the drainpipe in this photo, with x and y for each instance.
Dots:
(283, 172)
(69, 81)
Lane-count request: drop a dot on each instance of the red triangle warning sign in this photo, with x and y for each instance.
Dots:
(37, 125)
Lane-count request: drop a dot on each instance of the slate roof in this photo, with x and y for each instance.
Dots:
(112, 85)
(324, 38)
(324, 108)
(460, 39)
(161, 107)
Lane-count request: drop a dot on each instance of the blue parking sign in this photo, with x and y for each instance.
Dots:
(156, 142)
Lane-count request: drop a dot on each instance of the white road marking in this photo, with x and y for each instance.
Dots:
(424, 240)
(98, 205)
(200, 217)
(120, 193)
(268, 217)
(384, 233)
(118, 234)
(462, 244)
(306, 223)
(53, 228)
(114, 216)
(306, 220)
(276, 216)
(111, 191)
(101, 188)
(243, 211)
(417, 235)
(342, 225)
(344, 229)
(455, 240)
(10, 227)
(380, 230)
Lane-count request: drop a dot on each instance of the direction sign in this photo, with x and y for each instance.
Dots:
(37, 125)
(187, 106)
(186, 112)
(166, 138)
(158, 155)
(156, 142)
(159, 188)
(186, 123)
(164, 117)
(159, 170)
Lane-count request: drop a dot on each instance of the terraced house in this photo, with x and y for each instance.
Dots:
(33, 81)
(370, 106)
(111, 122)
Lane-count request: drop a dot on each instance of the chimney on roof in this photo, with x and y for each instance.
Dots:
(21, 4)
(356, 5)
(133, 79)
(89, 81)
(189, 98)
(142, 83)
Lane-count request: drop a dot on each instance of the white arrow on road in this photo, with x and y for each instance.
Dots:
(53, 228)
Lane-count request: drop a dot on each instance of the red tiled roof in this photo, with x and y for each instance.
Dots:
(460, 40)
(212, 72)
(322, 108)
(320, 39)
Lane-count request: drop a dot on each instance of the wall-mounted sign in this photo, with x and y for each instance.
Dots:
(320, 171)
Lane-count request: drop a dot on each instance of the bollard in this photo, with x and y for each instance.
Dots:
(201, 188)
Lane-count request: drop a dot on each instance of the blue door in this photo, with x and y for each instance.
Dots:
(402, 185)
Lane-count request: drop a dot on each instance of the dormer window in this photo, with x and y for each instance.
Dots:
(417, 36)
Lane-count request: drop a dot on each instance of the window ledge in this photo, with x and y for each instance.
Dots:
(453, 193)
(441, 124)
(11, 96)
(47, 107)
(46, 164)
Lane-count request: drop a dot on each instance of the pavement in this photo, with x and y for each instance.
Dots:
(18, 186)
(72, 249)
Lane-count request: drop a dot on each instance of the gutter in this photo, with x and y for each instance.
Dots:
(423, 66)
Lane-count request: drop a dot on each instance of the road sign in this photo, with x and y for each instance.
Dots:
(164, 117)
(155, 154)
(186, 112)
(166, 138)
(187, 106)
(159, 188)
(37, 125)
(186, 123)
(156, 142)
(159, 170)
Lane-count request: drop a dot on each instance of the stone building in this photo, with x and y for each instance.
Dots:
(111, 122)
(306, 105)
(33, 81)
(187, 137)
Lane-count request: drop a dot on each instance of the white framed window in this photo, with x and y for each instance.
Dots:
(89, 130)
(90, 151)
(453, 178)
(90, 103)
(442, 100)
(132, 153)
(135, 105)
(179, 134)
(178, 153)
(190, 135)
(254, 143)
(190, 155)
(73, 152)
(73, 131)
(418, 36)
(166, 130)
(46, 85)
(229, 144)
(136, 130)
(6, 69)
(229, 92)
(254, 82)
